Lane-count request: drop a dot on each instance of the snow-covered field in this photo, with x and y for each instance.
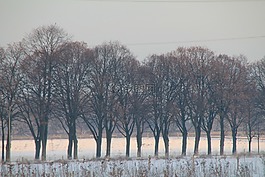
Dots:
(206, 166)
(56, 148)
(232, 166)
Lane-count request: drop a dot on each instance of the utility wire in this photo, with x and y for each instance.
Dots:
(195, 41)
(177, 1)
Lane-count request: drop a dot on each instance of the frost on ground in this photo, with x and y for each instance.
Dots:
(247, 166)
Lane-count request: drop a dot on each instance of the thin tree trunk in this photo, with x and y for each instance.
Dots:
(108, 137)
(184, 141)
(98, 150)
(37, 148)
(99, 143)
(209, 142)
(75, 148)
(8, 148)
(249, 144)
(70, 146)
(222, 135)
(234, 133)
(44, 136)
(156, 145)
(75, 141)
(197, 140)
(3, 143)
(139, 142)
(166, 144)
(128, 140)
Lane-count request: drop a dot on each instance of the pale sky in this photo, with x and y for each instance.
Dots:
(147, 27)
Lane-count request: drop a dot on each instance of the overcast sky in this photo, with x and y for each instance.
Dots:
(231, 27)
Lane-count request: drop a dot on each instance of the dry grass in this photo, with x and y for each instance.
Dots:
(243, 166)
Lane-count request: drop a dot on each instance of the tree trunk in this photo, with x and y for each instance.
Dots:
(209, 142)
(37, 148)
(156, 145)
(75, 148)
(234, 133)
(166, 144)
(3, 142)
(222, 135)
(8, 148)
(128, 140)
(139, 142)
(44, 136)
(98, 140)
(108, 137)
(98, 150)
(75, 141)
(197, 140)
(184, 141)
(70, 146)
(249, 144)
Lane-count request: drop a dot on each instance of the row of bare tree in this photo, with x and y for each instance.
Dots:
(46, 76)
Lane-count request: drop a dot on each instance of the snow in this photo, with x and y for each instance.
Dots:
(207, 166)
(57, 148)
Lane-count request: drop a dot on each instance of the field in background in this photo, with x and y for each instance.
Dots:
(56, 149)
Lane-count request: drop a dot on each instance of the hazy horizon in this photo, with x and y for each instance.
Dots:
(231, 27)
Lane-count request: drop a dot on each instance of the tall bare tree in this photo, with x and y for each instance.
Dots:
(180, 76)
(239, 89)
(161, 100)
(199, 59)
(41, 47)
(73, 68)
(125, 111)
(10, 81)
(222, 88)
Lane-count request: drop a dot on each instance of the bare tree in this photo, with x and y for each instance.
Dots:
(222, 88)
(41, 48)
(238, 90)
(255, 109)
(71, 91)
(199, 60)
(2, 103)
(11, 79)
(180, 76)
(125, 112)
(161, 99)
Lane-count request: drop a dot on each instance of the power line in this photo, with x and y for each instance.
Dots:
(195, 41)
(176, 1)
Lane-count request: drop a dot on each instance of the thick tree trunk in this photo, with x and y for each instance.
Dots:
(197, 140)
(209, 142)
(108, 148)
(139, 142)
(75, 148)
(249, 144)
(166, 144)
(8, 148)
(70, 146)
(98, 140)
(222, 135)
(128, 140)
(44, 136)
(3, 143)
(184, 141)
(156, 145)
(234, 133)
(98, 150)
(37, 148)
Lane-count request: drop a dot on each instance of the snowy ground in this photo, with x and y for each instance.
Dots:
(231, 166)
(56, 149)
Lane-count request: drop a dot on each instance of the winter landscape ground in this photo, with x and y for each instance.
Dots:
(57, 165)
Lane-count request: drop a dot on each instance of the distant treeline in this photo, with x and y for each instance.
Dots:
(47, 76)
